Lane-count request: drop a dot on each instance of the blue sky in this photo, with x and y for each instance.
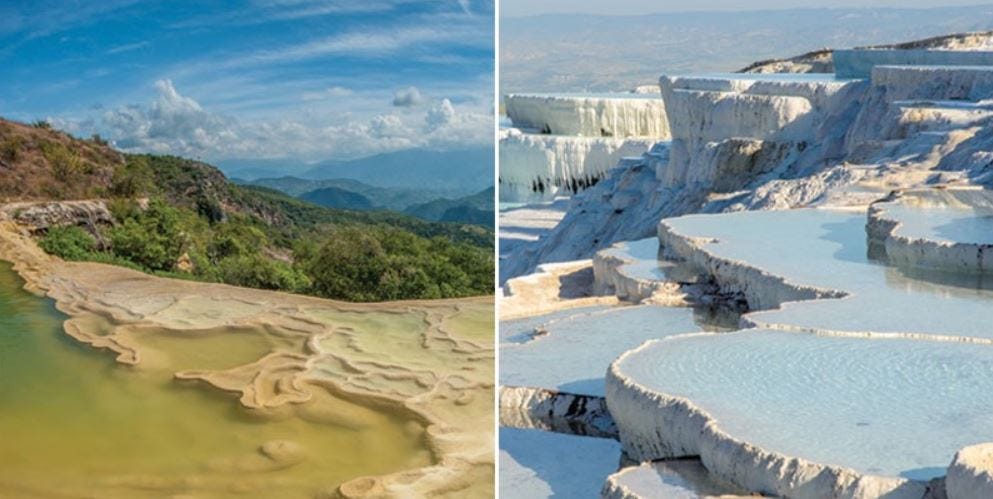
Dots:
(522, 8)
(301, 79)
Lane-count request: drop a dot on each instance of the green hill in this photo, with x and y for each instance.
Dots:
(475, 209)
(197, 224)
(336, 197)
(387, 198)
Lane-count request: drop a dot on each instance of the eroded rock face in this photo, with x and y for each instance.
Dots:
(549, 410)
(39, 216)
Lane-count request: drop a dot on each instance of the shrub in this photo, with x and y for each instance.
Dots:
(70, 243)
(42, 124)
(370, 264)
(63, 161)
(152, 238)
(348, 266)
(257, 271)
(11, 147)
(133, 179)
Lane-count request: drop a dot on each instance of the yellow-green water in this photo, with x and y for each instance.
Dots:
(73, 423)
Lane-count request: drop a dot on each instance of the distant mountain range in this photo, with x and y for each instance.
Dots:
(456, 173)
(430, 205)
(388, 198)
(475, 209)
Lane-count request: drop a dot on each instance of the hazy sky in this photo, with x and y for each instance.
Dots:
(306, 79)
(518, 8)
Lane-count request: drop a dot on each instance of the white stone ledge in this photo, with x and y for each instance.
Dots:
(655, 425)
(593, 115)
(559, 163)
(887, 243)
(858, 63)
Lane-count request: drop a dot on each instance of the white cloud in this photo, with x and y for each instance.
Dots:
(386, 126)
(330, 92)
(127, 48)
(177, 124)
(440, 115)
(407, 97)
(358, 43)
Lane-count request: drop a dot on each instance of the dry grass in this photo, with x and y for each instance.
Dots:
(43, 163)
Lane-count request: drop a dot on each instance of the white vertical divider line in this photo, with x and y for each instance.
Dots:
(496, 247)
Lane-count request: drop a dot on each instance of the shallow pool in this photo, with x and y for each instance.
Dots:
(942, 223)
(827, 249)
(574, 353)
(535, 464)
(882, 406)
(73, 421)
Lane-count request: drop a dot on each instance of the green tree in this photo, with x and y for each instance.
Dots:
(257, 271)
(70, 243)
(152, 238)
(132, 179)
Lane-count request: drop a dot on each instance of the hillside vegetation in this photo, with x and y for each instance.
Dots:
(183, 218)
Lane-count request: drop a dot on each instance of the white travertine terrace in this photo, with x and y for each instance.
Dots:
(689, 395)
(907, 99)
(582, 345)
(859, 63)
(909, 119)
(632, 272)
(803, 415)
(590, 115)
(942, 229)
(958, 83)
(565, 143)
(746, 141)
(535, 166)
(554, 286)
(727, 130)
